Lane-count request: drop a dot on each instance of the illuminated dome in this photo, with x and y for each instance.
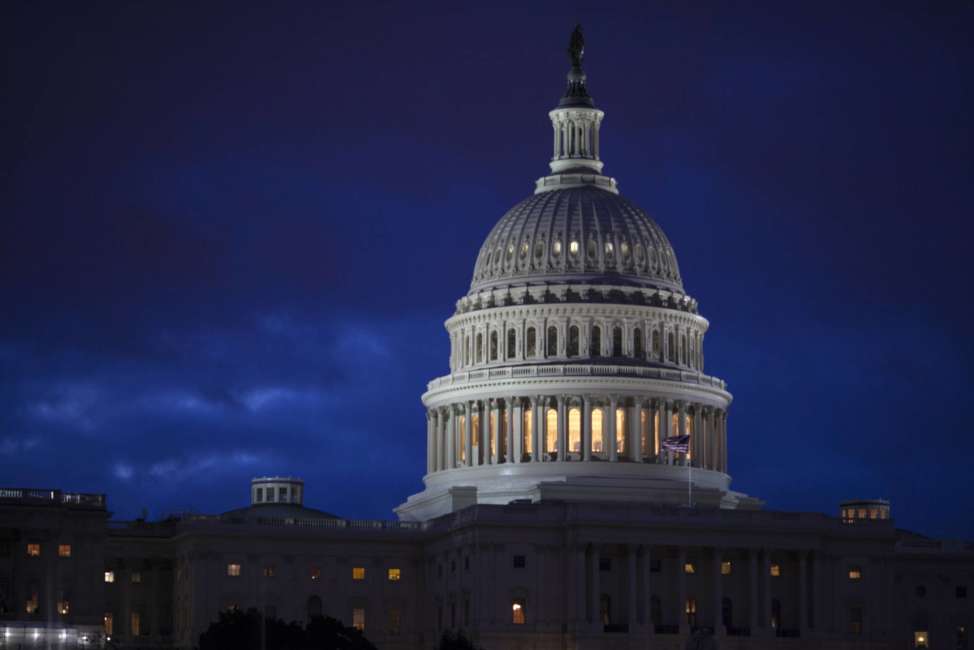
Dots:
(576, 235)
(576, 357)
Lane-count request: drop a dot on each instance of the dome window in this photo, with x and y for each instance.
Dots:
(524, 249)
(624, 249)
(609, 249)
(539, 250)
(510, 252)
(573, 247)
(556, 248)
(591, 249)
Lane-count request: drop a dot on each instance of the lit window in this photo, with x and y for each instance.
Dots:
(556, 247)
(551, 432)
(394, 574)
(136, 577)
(315, 573)
(63, 607)
(109, 576)
(921, 639)
(597, 442)
(358, 573)
(776, 570)
(855, 573)
(233, 570)
(358, 619)
(31, 605)
(517, 611)
(573, 247)
(33, 550)
(268, 571)
(689, 568)
(108, 620)
(135, 629)
(575, 430)
(64, 550)
(726, 568)
(691, 611)
(608, 248)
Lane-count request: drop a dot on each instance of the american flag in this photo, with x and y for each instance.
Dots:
(679, 444)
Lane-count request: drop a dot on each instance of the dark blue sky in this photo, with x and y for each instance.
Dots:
(230, 234)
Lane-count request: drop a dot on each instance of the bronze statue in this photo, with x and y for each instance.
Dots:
(576, 47)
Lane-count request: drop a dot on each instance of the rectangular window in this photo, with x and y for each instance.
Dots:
(136, 577)
(726, 568)
(109, 576)
(282, 494)
(358, 573)
(63, 607)
(855, 573)
(921, 639)
(394, 574)
(315, 573)
(268, 571)
(233, 570)
(358, 619)
(517, 611)
(520, 561)
(776, 570)
(395, 621)
(691, 611)
(135, 628)
(260, 495)
(33, 550)
(64, 550)
(31, 606)
(108, 621)
(689, 568)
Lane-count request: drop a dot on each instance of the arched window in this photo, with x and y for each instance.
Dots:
(645, 443)
(551, 431)
(727, 612)
(552, 347)
(620, 430)
(462, 451)
(637, 343)
(595, 343)
(598, 442)
(531, 343)
(466, 350)
(573, 341)
(527, 447)
(511, 343)
(617, 342)
(575, 431)
(314, 607)
(480, 347)
(656, 344)
(491, 432)
(671, 346)
(493, 345)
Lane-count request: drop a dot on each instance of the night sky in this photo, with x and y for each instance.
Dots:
(230, 234)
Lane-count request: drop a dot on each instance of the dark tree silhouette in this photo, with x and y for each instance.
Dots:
(250, 631)
(455, 642)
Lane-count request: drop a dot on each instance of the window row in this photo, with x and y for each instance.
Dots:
(235, 570)
(33, 549)
(677, 347)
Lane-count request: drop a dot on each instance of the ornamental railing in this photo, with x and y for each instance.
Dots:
(576, 370)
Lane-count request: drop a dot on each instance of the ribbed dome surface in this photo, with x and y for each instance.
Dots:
(576, 235)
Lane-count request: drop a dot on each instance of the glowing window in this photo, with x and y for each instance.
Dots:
(108, 622)
(691, 611)
(32, 604)
(609, 248)
(526, 429)
(573, 247)
(315, 573)
(620, 430)
(556, 247)
(394, 574)
(689, 568)
(33, 550)
(776, 570)
(358, 618)
(726, 568)
(551, 431)
(921, 639)
(575, 430)
(109, 576)
(136, 624)
(63, 607)
(597, 443)
(64, 550)
(233, 570)
(358, 573)
(855, 573)
(268, 571)
(135, 577)
(517, 611)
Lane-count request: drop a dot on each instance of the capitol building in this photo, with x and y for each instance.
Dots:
(577, 493)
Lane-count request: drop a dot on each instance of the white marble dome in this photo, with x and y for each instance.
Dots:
(576, 235)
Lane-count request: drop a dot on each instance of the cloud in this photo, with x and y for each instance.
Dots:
(123, 471)
(11, 446)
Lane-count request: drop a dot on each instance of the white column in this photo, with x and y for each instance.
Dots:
(613, 454)
(695, 437)
(634, 424)
(562, 428)
(665, 417)
(723, 445)
(494, 424)
(441, 439)
(511, 418)
(429, 442)
(451, 455)
(517, 431)
(586, 428)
